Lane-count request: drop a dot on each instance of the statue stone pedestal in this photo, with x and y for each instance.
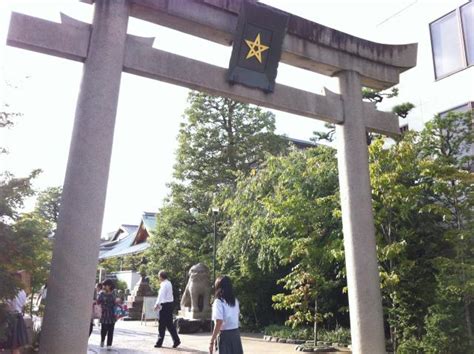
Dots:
(135, 299)
(193, 321)
(188, 326)
(186, 313)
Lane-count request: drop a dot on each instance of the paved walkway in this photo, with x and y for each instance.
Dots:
(132, 338)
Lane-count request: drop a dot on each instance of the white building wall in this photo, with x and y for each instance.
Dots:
(419, 85)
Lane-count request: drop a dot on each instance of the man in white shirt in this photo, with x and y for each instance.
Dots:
(164, 304)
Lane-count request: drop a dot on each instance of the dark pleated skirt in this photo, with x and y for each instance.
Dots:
(17, 335)
(229, 342)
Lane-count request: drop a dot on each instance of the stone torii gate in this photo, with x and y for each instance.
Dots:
(106, 50)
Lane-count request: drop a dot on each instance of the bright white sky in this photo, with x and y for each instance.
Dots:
(45, 89)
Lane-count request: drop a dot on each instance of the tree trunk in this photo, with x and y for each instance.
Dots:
(467, 315)
(230, 136)
(315, 321)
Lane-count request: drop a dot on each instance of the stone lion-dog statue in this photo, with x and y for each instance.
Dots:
(195, 302)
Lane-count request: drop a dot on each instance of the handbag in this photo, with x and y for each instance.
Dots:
(96, 311)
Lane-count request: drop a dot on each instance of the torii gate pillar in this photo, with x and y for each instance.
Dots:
(366, 314)
(76, 245)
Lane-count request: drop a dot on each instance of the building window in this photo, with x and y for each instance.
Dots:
(452, 41)
(467, 16)
(404, 129)
(464, 108)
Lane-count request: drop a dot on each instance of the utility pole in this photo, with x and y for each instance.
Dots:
(215, 212)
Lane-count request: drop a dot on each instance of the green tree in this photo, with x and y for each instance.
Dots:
(110, 265)
(20, 238)
(407, 229)
(447, 144)
(33, 247)
(286, 222)
(422, 199)
(48, 203)
(13, 191)
(219, 138)
(23, 236)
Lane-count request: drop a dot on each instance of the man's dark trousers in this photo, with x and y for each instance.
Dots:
(166, 323)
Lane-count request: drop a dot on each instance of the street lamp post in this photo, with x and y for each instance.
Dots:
(215, 212)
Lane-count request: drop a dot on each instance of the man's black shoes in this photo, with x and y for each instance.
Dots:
(175, 345)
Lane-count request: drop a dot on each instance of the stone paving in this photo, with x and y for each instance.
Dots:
(133, 338)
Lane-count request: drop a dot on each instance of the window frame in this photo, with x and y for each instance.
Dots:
(469, 106)
(462, 48)
(461, 23)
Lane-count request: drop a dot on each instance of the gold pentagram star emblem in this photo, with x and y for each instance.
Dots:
(256, 49)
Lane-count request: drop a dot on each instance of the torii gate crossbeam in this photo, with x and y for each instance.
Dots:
(107, 50)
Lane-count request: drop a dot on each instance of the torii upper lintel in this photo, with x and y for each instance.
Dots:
(307, 44)
(70, 40)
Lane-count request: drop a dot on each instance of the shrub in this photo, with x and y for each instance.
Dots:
(339, 335)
